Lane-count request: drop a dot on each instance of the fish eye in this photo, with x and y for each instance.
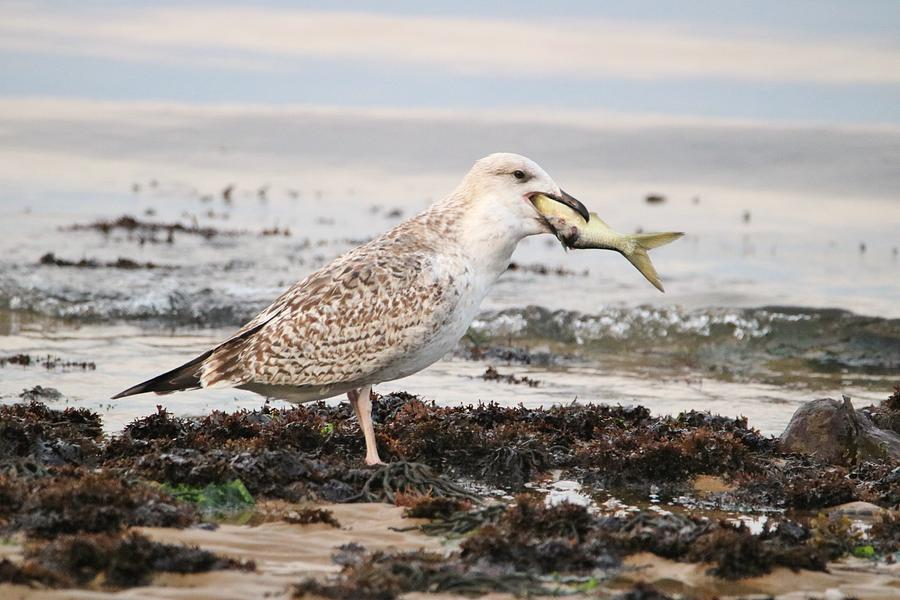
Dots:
(519, 174)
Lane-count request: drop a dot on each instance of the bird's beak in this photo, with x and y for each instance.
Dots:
(571, 202)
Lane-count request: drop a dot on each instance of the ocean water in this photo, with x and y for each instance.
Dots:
(785, 289)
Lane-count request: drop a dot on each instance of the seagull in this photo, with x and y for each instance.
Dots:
(386, 309)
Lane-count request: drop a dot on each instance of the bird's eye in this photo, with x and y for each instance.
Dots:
(519, 174)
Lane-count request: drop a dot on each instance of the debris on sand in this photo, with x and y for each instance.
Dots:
(654, 198)
(34, 437)
(48, 361)
(539, 269)
(115, 561)
(508, 354)
(385, 576)
(146, 230)
(40, 393)
(533, 537)
(80, 501)
(529, 548)
(275, 231)
(429, 506)
(50, 259)
(491, 374)
(887, 414)
(308, 516)
(15, 359)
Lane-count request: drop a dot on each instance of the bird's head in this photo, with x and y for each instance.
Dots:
(500, 187)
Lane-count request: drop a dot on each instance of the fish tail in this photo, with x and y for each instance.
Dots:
(641, 260)
(649, 241)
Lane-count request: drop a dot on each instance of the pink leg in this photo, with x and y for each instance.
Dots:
(361, 401)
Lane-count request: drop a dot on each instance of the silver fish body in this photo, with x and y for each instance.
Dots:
(574, 232)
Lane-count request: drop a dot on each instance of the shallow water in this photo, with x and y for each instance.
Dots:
(761, 233)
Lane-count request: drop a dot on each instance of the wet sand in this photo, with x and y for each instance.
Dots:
(286, 553)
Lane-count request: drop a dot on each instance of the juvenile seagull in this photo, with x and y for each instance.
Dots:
(386, 309)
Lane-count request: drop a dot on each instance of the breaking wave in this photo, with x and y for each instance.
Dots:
(206, 296)
(820, 339)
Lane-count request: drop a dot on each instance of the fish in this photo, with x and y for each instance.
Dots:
(574, 232)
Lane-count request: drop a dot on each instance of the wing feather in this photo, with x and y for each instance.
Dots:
(344, 323)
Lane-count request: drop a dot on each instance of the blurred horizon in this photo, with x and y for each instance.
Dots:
(827, 63)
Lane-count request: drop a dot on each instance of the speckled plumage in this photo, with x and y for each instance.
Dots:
(386, 309)
(366, 317)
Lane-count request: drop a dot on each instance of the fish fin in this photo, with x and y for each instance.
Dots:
(649, 241)
(641, 260)
(594, 217)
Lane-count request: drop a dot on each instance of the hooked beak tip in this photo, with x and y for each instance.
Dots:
(573, 203)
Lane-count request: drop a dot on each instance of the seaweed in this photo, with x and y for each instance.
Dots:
(463, 522)
(308, 516)
(385, 576)
(532, 537)
(81, 501)
(887, 414)
(48, 361)
(737, 554)
(214, 498)
(50, 259)
(834, 535)
(642, 591)
(146, 230)
(539, 269)
(124, 561)
(62, 479)
(884, 535)
(16, 359)
(30, 574)
(40, 393)
(428, 506)
(33, 437)
(491, 374)
(403, 477)
(800, 482)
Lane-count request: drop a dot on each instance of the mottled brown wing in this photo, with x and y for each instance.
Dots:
(343, 323)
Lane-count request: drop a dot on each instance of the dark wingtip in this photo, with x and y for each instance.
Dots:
(141, 388)
(185, 377)
(180, 378)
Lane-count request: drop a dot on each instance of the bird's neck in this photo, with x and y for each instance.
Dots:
(486, 238)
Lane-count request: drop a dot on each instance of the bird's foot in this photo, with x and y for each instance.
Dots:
(373, 460)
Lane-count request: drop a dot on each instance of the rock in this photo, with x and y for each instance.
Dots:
(836, 433)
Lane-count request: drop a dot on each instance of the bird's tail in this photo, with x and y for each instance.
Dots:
(221, 364)
(641, 260)
(185, 377)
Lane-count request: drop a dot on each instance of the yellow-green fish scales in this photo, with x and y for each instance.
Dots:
(574, 232)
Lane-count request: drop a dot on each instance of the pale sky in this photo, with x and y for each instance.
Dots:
(810, 61)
